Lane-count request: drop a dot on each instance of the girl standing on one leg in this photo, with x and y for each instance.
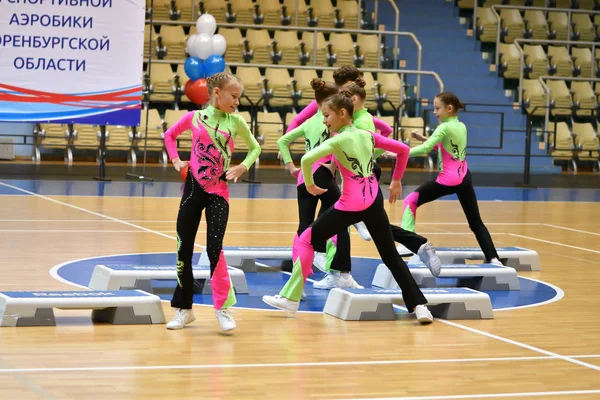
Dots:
(214, 130)
(361, 200)
(315, 133)
(450, 139)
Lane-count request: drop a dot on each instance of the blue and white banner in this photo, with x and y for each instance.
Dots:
(71, 61)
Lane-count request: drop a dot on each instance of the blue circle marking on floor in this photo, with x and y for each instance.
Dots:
(271, 280)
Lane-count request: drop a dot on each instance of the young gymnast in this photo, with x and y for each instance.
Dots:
(450, 139)
(214, 130)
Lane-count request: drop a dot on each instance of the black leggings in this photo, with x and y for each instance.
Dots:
(194, 200)
(377, 222)
(410, 240)
(307, 206)
(468, 200)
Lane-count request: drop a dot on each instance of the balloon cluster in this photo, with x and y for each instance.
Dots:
(206, 58)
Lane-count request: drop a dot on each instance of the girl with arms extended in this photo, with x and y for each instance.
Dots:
(450, 139)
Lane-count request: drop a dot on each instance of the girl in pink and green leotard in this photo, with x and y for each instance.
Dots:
(450, 140)
(214, 130)
(337, 249)
(361, 200)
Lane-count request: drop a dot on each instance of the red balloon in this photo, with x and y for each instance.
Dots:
(184, 172)
(197, 91)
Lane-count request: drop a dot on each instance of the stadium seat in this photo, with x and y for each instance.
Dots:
(487, 25)
(560, 96)
(279, 85)
(583, 28)
(252, 82)
(536, 60)
(308, 46)
(162, 83)
(216, 8)
(560, 61)
(534, 96)
(536, 24)
(389, 90)
(270, 128)
(563, 149)
(173, 41)
(582, 59)
(302, 89)
(587, 143)
(558, 23)
(584, 98)
(288, 47)
(235, 44)
(512, 24)
(370, 49)
(343, 48)
(510, 61)
(260, 46)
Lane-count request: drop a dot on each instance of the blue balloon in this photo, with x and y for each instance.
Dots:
(214, 64)
(194, 68)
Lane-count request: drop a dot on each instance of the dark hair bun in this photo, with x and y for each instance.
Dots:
(346, 93)
(317, 83)
(360, 82)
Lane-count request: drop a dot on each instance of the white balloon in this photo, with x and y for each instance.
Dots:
(204, 46)
(219, 44)
(206, 24)
(190, 46)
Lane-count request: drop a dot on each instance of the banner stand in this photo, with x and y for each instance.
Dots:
(143, 176)
(102, 171)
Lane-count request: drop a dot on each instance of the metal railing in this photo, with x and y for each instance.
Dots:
(569, 43)
(401, 72)
(497, 15)
(324, 30)
(547, 91)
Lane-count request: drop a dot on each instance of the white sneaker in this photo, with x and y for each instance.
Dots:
(430, 259)
(182, 318)
(282, 303)
(320, 261)
(346, 281)
(226, 320)
(403, 251)
(363, 232)
(423, 314)
(303, 295)
(329, 282)
(497, 262)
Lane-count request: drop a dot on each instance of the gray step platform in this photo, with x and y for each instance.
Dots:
(516, 257)
(474, 276)
(121, 307)
(244, 258)
(130, 276)
(375, 304)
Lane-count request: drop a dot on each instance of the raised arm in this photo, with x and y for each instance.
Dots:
(394, 146)
(383, 128)
(284, 143)
(430, 143)
(303, 115)
(171, 134)
(324, 149)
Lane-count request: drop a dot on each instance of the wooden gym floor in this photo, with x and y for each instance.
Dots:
(547, 351)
